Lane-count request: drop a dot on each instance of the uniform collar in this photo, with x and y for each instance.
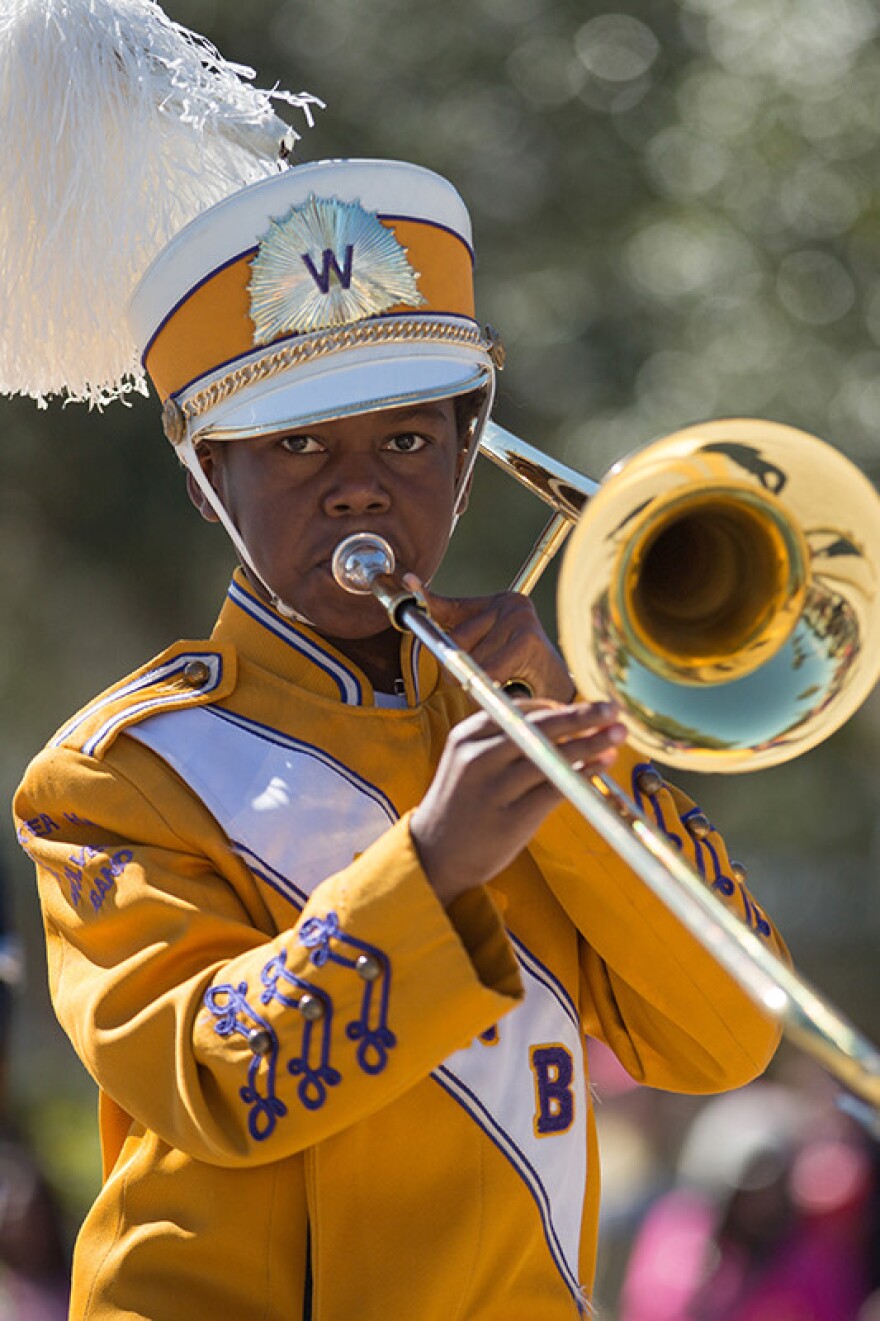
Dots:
(301, 656)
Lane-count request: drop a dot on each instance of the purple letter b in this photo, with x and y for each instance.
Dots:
(554, 1070)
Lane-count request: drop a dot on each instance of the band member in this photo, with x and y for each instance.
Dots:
(328, 944)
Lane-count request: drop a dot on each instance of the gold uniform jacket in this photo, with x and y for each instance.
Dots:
(321, 1094)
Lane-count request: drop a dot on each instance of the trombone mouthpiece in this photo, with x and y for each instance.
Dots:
(359, 559)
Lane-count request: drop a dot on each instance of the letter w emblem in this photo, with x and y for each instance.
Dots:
(330, 267)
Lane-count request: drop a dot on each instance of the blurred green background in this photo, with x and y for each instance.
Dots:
(676, 217)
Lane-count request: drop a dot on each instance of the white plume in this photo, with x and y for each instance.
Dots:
(117, 127)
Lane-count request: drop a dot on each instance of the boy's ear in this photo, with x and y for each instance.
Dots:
(205, 456)
(464, 495)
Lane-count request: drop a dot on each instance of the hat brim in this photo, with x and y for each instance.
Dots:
(342, 385)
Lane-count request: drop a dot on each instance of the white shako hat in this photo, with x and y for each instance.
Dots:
(334, 288)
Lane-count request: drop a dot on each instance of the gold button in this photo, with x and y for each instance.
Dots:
(196, 673)
(311, 1008)
(173, 421)
(699, 825)
(368, 967)
(739, 872)
(649, 781)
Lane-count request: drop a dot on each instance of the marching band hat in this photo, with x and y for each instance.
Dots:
(260, 296)
(334, 288)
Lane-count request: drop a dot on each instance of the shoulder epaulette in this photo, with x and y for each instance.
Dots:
(187, 674)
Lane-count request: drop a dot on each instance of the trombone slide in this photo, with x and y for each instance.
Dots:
(365, 563)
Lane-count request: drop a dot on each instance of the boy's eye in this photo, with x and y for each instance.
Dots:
(300, 444)
(406, 443)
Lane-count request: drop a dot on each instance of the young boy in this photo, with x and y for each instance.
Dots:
(324, 939)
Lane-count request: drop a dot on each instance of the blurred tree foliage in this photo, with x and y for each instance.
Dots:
(676, 216)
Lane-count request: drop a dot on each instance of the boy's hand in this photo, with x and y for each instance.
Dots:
(487, 799)
(504, 635)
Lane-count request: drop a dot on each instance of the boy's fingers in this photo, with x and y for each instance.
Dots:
(555, 721)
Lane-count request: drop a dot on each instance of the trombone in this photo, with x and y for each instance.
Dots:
(721, 586)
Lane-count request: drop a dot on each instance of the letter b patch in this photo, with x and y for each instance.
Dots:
(553, 1069)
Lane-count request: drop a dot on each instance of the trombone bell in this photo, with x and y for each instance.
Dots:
(721, 586)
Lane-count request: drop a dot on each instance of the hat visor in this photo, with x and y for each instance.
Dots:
(344, 384)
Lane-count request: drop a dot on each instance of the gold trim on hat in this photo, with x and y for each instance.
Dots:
(401, 330)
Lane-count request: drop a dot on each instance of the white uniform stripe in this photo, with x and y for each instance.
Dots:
(270, 735)
(555, 987)
(282, 884)
(497, 1085)
(529, 1174)
(299, 812)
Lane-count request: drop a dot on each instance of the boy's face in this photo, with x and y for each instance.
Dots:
(296, 494)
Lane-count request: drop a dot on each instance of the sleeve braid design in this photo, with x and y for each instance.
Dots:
(234, 1014)
(704, 849)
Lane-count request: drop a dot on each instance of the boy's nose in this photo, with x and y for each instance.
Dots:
(357, 489)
